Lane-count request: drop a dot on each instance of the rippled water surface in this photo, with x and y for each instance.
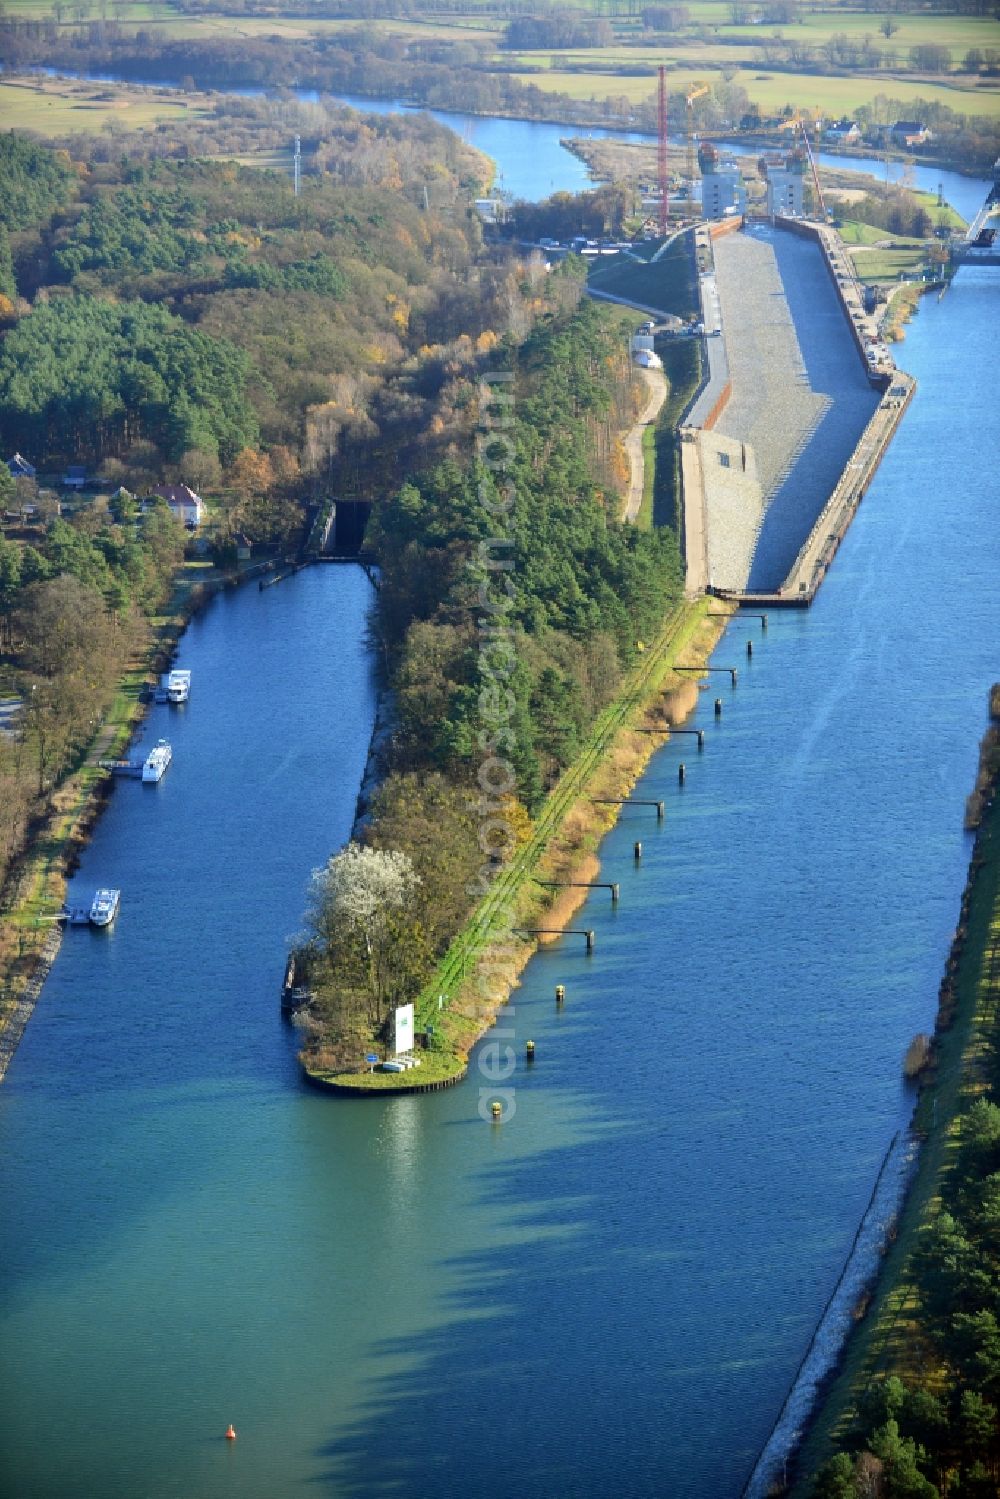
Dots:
(609, 1294)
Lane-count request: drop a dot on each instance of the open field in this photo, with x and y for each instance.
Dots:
(63, 106)
(958, 33)
(707, 45)
(773, 90)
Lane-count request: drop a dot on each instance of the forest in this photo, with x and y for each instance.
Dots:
(194, 321)
(241, 313)
(74, 606)
(583, 591)
(934, 1432)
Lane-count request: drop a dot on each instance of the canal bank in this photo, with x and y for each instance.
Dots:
(518, 915)
(35, 890)
(882, 1341)
(189, 1237)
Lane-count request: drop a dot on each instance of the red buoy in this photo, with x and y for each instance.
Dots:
(230, 1432)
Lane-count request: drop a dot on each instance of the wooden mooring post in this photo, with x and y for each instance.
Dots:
(582, 885)
(629, 801)
(735, 619)
(559, 931)
(669, 729)
(730, 670)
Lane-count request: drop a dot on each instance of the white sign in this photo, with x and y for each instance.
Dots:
(403, 1029)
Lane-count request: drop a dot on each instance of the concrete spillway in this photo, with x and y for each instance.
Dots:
(800, 401)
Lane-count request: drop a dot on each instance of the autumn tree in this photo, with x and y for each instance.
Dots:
(251, 472)
(361, 914)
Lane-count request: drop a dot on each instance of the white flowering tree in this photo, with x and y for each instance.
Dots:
(361, 911)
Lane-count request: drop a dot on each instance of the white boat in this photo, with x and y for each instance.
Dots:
(104, 908)
(178, 686)
(157, 761)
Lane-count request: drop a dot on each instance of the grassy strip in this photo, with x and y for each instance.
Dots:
(644, 519)
(436, 1068)
(682, 365)
(884, 1341)
(513, 891)
(667, 283)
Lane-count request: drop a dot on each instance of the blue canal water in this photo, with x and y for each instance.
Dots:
(609, 1294)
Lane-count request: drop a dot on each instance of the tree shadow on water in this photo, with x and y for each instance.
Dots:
(618, 1346)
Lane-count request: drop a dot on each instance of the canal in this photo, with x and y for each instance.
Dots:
(610, 1293)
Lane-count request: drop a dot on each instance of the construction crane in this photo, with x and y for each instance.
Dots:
(824, 211)
(663, 180)
(798, 122)
(696, 93)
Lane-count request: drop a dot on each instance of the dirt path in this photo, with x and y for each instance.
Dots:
(657, 386)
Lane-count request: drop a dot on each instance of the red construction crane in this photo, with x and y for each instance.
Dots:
(824, 212)
(661, 150)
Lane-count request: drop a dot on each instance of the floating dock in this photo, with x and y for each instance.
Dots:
(131, 768)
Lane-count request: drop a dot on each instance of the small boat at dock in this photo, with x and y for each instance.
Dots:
(178, 686)
(104, 907)
(295, 994)
(157, 761)
(173, 687)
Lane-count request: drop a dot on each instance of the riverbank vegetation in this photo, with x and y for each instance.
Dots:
(196, 322)
(274, 350)
(583, 589)
(917, 1412)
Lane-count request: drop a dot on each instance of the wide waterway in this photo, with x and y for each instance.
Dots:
(532, 162)
(609, 1294)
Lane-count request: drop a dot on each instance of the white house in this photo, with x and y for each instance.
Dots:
(909, 133)
(843, 133)
(184, 503)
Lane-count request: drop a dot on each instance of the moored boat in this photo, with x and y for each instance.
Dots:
(178, 686)
(104, 907)
(157, 761)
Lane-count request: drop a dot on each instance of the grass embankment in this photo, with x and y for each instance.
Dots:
(666, 284)
(902, 305)
(644, 519)
(36, 887)
(481, 967)
(887, 1341)
(683, 366)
